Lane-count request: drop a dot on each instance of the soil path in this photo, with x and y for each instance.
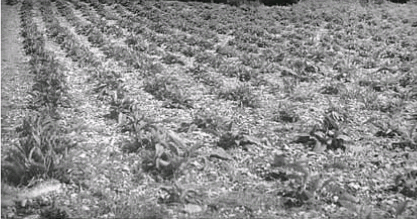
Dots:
(16, 79)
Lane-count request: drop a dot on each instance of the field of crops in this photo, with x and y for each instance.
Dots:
(167, 109)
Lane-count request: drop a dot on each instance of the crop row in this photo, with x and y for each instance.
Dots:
(42, 141)
(161, 158)
(189, 46)
(129, 56)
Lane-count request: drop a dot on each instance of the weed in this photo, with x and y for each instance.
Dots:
(205, 57)
(165, 88)
(406, 183)
(201, 74)
(207, 120)
(37, 153)
(243, 94)
(50, 86)
(254, 61)
(128, 207)
(329, 136)
(226, 51)
(107, 82)
(230, 139)
(329, 90)
(120, 105)
(172, 59)
(141, 130)
(96, 38)
(166, 155)
(286, 115)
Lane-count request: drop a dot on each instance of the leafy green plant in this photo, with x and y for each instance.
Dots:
(409, 139)
(41, 142)
(107, 83)
(271, 55)
(286, 115)
(166, 155)
(189, 51)
(247, 47)
(301, 186)
(204, 57)
(179, 194)
(207, 120)
(153, 68)
(230, 139)
(12, 2)
(393, 129)
(243, 73)
(172, 59)
(165, 88)
(141, 131)
(227, 51)
(33, 44)
(253, 61)
(50, 86)
(120, 105)
(405, 183)
(329, 90)
(201, 74)
(328, 136)
(96, 38)
(243, 94)
(164, 152)
(132, 210)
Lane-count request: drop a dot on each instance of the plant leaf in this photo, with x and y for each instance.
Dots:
(173, 148)
(319, 147)
(159, 150)
(221, 154)
(367, 212)
(349, 205)
(178, 141)
(401, 208)
(279, 160)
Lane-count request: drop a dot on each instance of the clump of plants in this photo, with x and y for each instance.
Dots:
(227, 51)
(205, 57)
(176, 193)
(392, 128)
(229, 140)
(107, 81)
(50, 88)
(405, 183)
(166, 89)
(207, 122)
(96, 37)
(120, 105)
(241, 72)
(201, 74)
(243, 94)
(286, 115)
(172, 59)
(164, 152)
(39, 151)
(328, 136)
(301, 186)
